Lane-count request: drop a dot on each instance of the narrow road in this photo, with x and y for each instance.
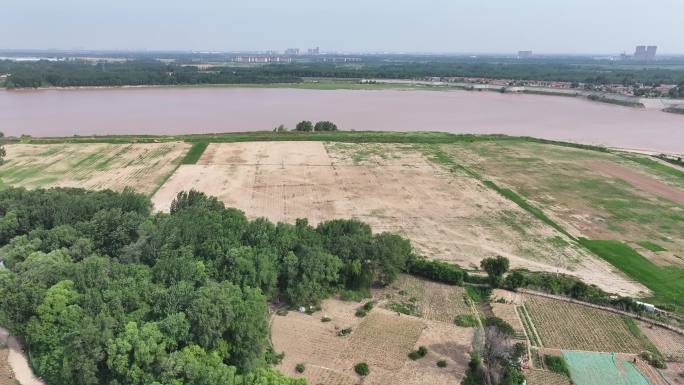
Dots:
(18, 360)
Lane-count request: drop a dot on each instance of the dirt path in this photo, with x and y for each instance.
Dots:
(18, 360)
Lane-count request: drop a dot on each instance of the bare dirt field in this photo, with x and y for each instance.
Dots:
(6, 375)
(142, 167)
(669, 343)
(675, 373)
(639, 180)
(394, 188)
(382, 339)
(590, 193)
(507, 312)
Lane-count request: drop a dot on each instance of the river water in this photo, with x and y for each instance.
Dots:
(208, 110)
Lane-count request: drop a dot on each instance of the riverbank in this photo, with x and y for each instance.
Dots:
(664, 104)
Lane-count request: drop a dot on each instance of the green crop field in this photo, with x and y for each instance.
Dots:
(667, 283)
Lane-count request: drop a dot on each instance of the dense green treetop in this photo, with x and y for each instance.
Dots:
(105, 292)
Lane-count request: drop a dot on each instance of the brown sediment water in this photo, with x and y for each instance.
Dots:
(159, 111)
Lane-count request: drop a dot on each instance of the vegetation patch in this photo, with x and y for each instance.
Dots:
(195, 152)
(648, 245)
(418, 353)
(556, 364)
(466, 321)
(362, 369)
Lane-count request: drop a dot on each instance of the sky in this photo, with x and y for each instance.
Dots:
(447, 26)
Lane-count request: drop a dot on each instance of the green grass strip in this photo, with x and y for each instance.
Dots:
(520, 201)
(648, 245)
(666, 283)
(338, 136)
(195, 153)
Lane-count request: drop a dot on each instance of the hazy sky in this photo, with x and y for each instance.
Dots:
(551, 26)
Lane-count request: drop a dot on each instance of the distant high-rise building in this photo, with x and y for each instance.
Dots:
(314, 51)
(292, 51)
(524, 54)
(643, 52)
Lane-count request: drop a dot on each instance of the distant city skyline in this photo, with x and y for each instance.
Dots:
(591, 27)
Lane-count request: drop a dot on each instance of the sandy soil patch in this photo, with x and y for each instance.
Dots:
(17, 360)
(675, 372)
(382, 339)
(142, 167)
(6, 374)
(639, 180)
(391, 187)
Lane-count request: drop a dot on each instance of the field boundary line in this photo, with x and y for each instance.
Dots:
(605, 308)
(533, 328)
(529, 350)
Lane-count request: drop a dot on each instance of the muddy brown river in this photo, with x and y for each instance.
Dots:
(207, 110)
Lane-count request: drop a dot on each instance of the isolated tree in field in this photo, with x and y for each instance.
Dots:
(305, 126)
(2, 148)
(325, 126)
(495, 268)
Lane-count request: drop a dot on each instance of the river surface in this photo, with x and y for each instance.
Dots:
(208, 110)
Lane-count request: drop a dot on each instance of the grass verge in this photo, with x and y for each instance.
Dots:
(195, 153)
(520, 201)
(666, 283)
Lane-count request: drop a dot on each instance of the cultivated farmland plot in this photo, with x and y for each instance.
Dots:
(142, 166)
(435, 301)
(570, 326)
(447, 215)
(545, 377)
(382, 339)
(669, 343)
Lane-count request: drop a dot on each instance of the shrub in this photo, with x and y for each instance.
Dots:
(344, 332)
(556, 364)
(360, 313)
(326, 319)
(500, 324)
(441, 364)
(369, 306)
(404, 308)
(273, 358)
(325, 126)
(353, 295)
(436, 270)
(420, 353)
(466, 321)
(300, 368)
(361, 369)
(305, 126)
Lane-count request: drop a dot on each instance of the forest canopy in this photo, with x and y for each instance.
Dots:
(146, 71)
(106, 292)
